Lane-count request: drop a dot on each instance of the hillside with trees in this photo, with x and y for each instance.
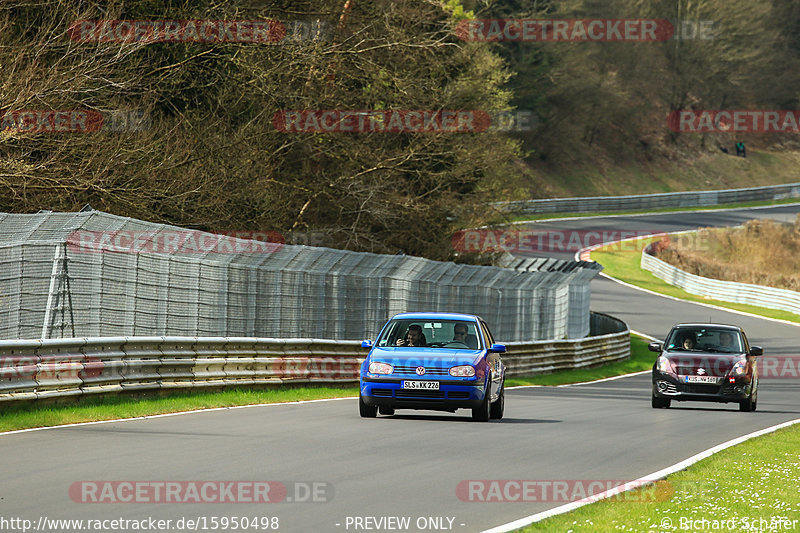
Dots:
(191, 137)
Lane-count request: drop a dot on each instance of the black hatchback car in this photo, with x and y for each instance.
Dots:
(706, 362)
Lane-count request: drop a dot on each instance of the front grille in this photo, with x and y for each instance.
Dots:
(429, 371)
(382, 392)
(693, 388)
(457, 395)
(403, 393)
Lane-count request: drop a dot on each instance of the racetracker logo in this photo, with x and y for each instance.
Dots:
(74, 121)
(482, 241)
(174, 31)
(400, 121)
(569, 30)
(779, 366)
(565, 490)
(174, 242)
(734, 121)
(157, 492)
(51, 121)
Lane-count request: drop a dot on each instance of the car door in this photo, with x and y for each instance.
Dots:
(493, 358)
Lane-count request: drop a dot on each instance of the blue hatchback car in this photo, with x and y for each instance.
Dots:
(433, 361)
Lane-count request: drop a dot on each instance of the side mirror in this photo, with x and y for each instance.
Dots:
(756, 350)
(498, 348)
(366, 343)
(655, 347)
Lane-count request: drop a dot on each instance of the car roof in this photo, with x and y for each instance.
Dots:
(707, 325)
(445, 316)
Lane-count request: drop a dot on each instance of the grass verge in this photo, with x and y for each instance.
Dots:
(756, 480)
(641, 359)
(31, 415)
(623, 263)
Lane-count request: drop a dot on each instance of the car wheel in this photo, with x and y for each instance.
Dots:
(385, 410)
(748, 405)
(366, 411)
(482, 413)
(659, 403)
(496, 409)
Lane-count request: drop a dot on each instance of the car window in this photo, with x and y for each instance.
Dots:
(489, 337)
(705, 339)
(436, 333)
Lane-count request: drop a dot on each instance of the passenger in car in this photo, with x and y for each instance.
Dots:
(460, 333)
(414, 337)
(688, 342)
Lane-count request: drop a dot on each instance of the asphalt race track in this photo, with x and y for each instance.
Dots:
(410, 465)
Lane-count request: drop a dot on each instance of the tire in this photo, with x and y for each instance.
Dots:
(749, 405)
(483, 412)
(496, 409)
(366, 411)
(659, 403)
(385, 410)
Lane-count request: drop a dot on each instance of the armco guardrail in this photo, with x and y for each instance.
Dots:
(597, 204)
(610, 341)
(51, 368)
(728, 291)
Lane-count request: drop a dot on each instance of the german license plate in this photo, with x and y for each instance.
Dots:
(430, 385)
(702, 379)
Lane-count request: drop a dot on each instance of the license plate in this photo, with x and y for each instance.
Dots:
(702, 379)
(431, 385)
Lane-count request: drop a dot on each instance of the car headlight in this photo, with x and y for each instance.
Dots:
(465, 371)
(380, 368)
(663, 364)
(739, 368)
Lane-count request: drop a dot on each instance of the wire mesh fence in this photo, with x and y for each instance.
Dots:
(93, 274)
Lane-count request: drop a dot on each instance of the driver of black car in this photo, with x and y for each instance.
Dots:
(726, 342)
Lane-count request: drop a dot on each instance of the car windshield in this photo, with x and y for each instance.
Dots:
(705, 340)
(431, 333)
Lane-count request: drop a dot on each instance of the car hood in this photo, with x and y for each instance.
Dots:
(436, 357)
(702, 363)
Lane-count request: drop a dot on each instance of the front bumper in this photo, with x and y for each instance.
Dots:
(675, 388)
(451, 395)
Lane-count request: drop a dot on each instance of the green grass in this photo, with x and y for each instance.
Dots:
(528, 218)
(757, 479)
(89, 409)
(641, 359)
(623, 263)
(30, 415)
